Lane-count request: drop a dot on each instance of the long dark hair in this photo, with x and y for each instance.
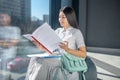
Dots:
(70, 15)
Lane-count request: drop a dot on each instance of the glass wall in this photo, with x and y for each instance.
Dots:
(19, 17)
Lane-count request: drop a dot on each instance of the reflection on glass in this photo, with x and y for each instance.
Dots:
(18, 17)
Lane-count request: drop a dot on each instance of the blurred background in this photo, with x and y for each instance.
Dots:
(99, 21)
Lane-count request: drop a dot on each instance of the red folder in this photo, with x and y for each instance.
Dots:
(41, 44)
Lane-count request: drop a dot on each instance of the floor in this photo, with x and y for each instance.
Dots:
(108, 64)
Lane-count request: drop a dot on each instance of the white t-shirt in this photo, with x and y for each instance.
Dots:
(73, 36)
(9, 33)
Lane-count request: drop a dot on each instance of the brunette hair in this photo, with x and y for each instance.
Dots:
(70, 15)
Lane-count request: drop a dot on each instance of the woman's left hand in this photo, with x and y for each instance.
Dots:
(64, 45)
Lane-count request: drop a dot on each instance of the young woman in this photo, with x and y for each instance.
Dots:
(9, 37)
(73, 44)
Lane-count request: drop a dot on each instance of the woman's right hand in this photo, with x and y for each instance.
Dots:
(39, 46)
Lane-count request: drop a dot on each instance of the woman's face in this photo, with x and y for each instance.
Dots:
(4, 20)
(63, 20)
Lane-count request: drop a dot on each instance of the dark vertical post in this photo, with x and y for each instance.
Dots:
(83, 18)
(66, 3)
(55, 5)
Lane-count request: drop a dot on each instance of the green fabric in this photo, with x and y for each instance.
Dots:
(74, 64)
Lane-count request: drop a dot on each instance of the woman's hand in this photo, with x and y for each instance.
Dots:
(64, 45)
(79, 53)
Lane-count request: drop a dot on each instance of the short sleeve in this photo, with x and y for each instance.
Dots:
(79, 39)
(57, 30)
(10, 33)
(16, 33)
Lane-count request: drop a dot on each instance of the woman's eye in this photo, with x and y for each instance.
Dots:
(62, 17)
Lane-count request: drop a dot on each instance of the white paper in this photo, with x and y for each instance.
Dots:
(39, 55)
(44, 55)
(47, 36)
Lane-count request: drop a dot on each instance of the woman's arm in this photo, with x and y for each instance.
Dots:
(81, 52)
(8, 43)
(1, 42)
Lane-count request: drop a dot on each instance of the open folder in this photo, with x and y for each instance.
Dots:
(46, 37)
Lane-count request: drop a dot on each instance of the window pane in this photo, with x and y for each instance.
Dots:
(19, 17)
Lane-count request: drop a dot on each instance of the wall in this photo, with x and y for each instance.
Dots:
(100, 22)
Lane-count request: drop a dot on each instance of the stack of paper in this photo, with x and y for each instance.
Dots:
(44, 55)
